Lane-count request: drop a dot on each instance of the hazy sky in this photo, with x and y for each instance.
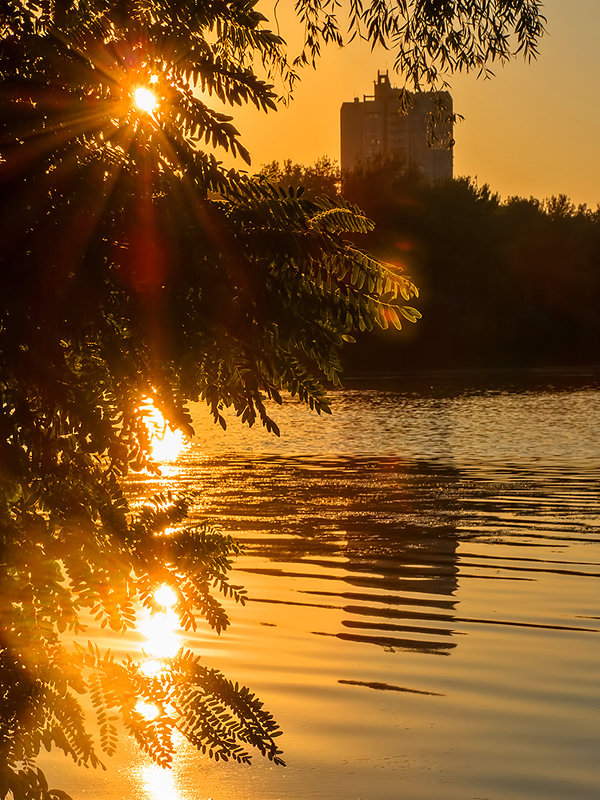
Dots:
(533, 129)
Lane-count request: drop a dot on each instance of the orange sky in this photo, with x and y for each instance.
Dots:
(534, 129)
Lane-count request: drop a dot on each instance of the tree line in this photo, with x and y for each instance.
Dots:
(503, 282)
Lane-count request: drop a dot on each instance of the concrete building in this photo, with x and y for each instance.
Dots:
(392, 123)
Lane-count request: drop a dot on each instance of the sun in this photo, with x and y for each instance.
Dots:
(145, 100)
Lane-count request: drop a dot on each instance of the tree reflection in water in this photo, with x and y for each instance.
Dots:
(380, 535)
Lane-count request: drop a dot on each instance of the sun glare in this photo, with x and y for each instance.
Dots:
(159, 783)
(148, 711)
(165, 597)
(151, 668)
(162, 641)
(166, 444)
(145, 100)
(160, 633)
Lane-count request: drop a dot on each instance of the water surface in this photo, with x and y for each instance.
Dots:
(423, 570)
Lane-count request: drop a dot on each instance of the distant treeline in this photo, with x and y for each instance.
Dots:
(503, 283)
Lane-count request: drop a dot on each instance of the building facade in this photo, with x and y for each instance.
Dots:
(413, 128)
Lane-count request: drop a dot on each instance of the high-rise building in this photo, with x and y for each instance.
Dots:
(413, 127)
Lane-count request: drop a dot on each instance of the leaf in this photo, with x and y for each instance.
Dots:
(411, 314)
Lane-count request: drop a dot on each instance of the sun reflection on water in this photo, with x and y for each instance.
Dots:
(148, 710)
(151, 668)
(165, 596)
(159, 628)
(162, 640)
(159, 783)
(166, 444)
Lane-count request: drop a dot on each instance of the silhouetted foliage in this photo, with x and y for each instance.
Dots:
(120, 280)
(512, 282)
(504, 283)
(429, 38)
(323, 178)
(133, 265)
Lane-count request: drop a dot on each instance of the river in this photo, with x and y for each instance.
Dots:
(423, 571)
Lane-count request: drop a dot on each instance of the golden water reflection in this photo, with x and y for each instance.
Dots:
(160, 631)
(167, 444)
(147, 710)
(159, 783)
(162, 640)
(393, 561)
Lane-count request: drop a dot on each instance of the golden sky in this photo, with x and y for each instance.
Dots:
(534, 129)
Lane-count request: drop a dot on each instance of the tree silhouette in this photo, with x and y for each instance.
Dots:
(134, 266)
(504, 283)
(321, 178)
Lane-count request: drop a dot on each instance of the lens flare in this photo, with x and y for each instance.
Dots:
(145, 100)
